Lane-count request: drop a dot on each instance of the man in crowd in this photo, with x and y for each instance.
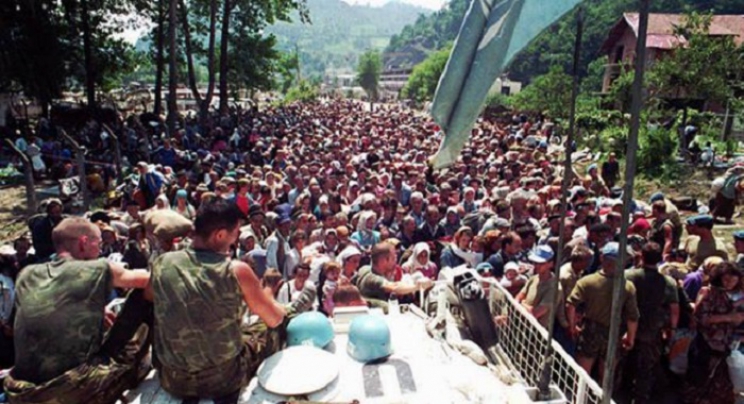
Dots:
(657, 299)
(43, 228)
(373, 282)
(701, 243)
(593, 295)
(62, 353)
(199, 294)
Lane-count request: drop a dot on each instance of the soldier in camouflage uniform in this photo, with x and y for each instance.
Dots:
(200, 296)
(657, 296)
(62, 355)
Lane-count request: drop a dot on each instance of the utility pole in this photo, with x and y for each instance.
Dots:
(547, 370)
(618, 287)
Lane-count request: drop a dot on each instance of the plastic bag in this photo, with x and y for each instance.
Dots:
(679, 347)
(735, 363)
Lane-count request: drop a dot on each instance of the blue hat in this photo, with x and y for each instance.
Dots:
(739, 235)
(284, 209)
(484, 267)
(541, 255)
(543, 144)
(591, 167)
(611, 249)
(281, 219)
(700, 220)
(656, 197)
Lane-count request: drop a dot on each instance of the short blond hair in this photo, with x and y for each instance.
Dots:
(67, 233)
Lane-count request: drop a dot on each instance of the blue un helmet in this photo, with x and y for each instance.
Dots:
(311, 328)
(369, 339)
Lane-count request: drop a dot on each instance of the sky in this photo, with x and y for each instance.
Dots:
(430, 4)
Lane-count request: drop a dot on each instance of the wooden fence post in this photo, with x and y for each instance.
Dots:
(80, 158)
(28, 173)
(117, 152)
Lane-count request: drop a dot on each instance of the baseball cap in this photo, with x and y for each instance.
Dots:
(541, 255)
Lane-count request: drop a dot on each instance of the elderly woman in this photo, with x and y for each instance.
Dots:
(420, 261)
(451, 221)
(458, 252)
(365, 236)
(708, 379)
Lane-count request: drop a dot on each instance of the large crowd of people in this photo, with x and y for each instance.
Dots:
(319, 205)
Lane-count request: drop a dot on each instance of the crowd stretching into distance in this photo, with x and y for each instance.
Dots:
(309, 207)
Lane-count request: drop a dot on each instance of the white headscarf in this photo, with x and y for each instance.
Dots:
(413, 264)
(363, 218)
(347, 253)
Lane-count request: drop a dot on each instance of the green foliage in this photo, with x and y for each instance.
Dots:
(304, 91)
(591, 120)
(657, 148)
(702, 69)
(252, 62)
(498, 100)
(549, 93)
(422, 83)
(41, 44)
(287, 66)
(592, 83)
(611, 139)
(368, 72)
(554, 45)
(340, 32)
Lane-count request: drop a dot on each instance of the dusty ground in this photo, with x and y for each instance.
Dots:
(13, 213)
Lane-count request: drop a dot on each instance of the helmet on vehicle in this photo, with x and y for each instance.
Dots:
(311, 328)
(369, 339)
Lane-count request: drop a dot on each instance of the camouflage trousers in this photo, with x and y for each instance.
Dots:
(223, 383)
(646, 359)
(103, 378)
(593, 340)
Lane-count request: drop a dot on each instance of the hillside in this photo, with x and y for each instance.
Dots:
(415, 41)
(340, 32)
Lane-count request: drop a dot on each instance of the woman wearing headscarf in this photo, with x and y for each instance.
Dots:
(161, 202)
(451, 221)
(350, 259)
(365, 236)
(182, 205)
(420, 261)
(458, 252)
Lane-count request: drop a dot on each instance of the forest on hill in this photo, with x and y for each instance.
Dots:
(551, 47)
(340, 32)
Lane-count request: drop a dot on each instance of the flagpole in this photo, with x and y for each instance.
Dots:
(630, 165)
(547, 366)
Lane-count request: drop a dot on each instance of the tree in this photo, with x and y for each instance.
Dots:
(549, 93)
(286, 67)
(47, 46)
(159, 56)
(422, 83)
(368, 73)
(701, 70)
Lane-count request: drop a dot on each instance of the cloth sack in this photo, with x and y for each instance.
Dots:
(167, 225)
